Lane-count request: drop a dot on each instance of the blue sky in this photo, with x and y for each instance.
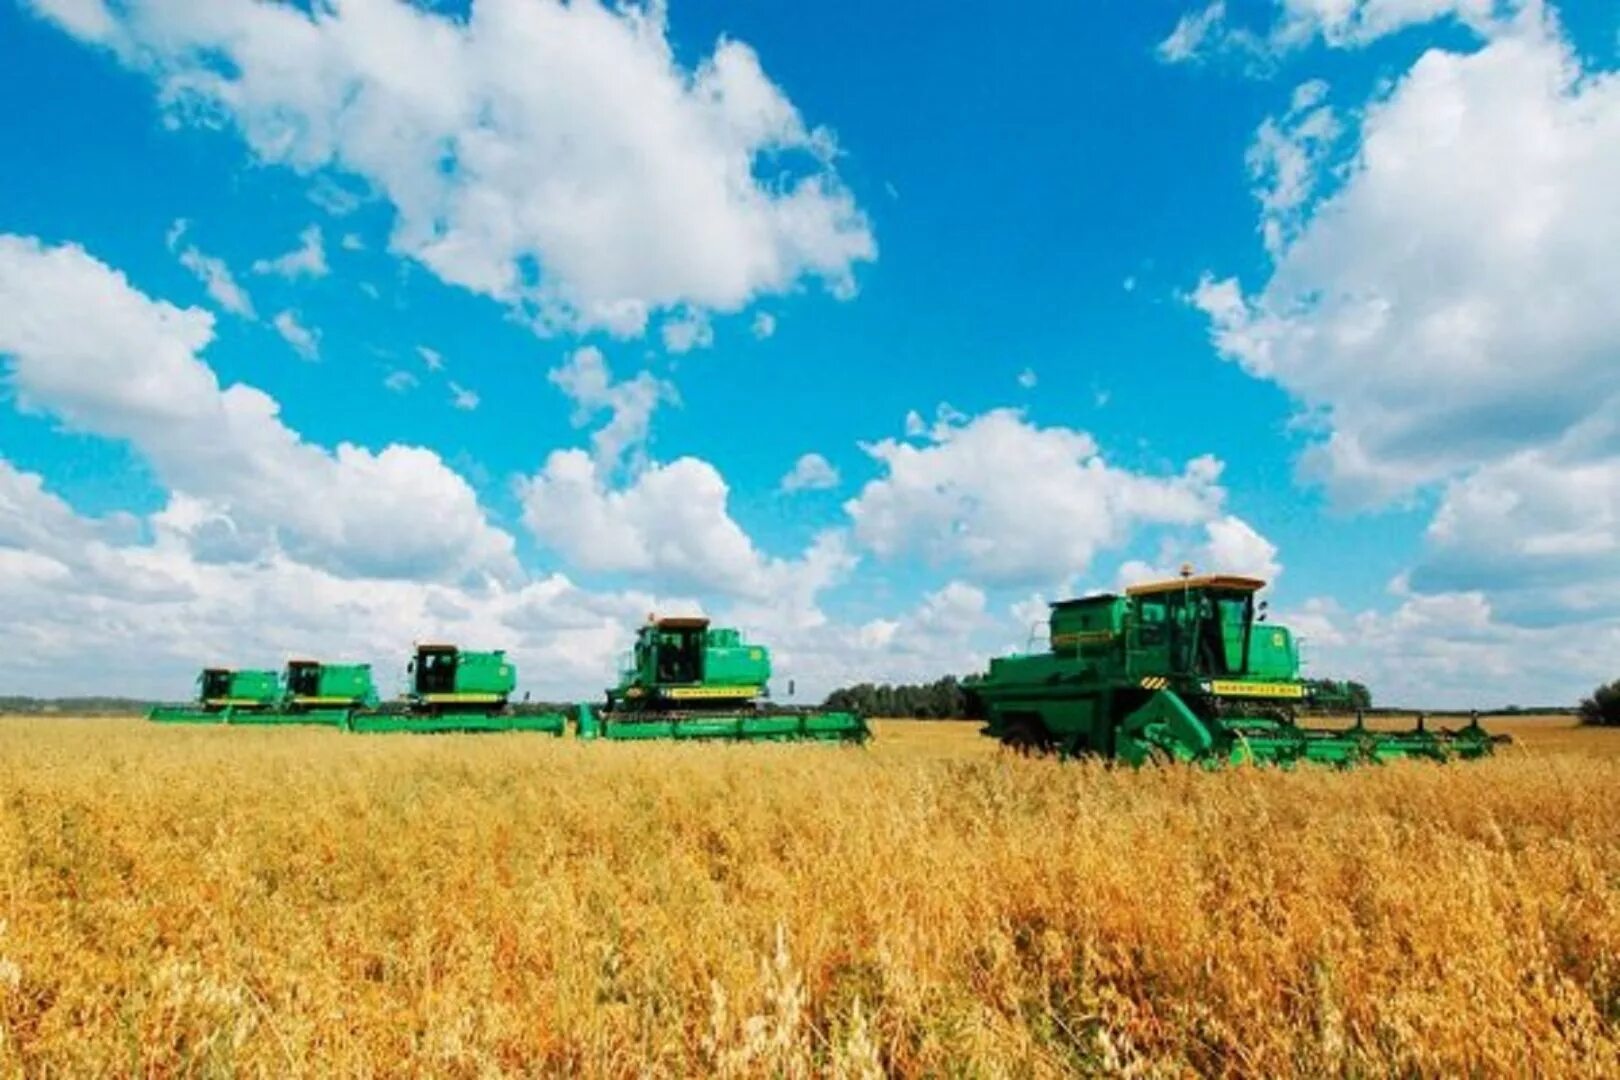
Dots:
(327, 329)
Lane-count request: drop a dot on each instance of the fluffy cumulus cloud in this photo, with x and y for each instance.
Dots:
(554, 156)
(1229, 545)
(152, 611)
(1445, 317)
(670, 522)
(811, 472)
(1015, 503)
(1451, 650)
(83, 345)
(950, 631)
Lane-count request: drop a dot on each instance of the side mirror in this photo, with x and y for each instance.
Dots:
(410, 666)
(790, 688)
(525, 697)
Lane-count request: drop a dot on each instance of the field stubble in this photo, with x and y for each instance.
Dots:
(179, 901)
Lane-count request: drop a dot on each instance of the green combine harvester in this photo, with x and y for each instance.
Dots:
(454, 689)
(225, 696)
(1181, 670)
(329, 694)
(688, 680)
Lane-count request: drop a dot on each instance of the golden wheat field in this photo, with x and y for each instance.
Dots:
(194, 901)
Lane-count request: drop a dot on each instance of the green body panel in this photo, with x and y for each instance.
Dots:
(1180, 671)
(241, 689)
(310, 685)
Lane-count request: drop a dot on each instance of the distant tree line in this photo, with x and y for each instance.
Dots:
(942, 699)
(75, 706)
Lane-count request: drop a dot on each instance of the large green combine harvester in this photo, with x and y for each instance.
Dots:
(1181, 670)
(686, 679)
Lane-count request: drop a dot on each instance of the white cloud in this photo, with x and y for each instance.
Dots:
(1452, 650)
(305, 342)
(1027, 378)
(1206, 34)
(764, 325)
(153, 612)
(670, 522)
(430, 357)
(212, 272)
(87, 347)
(630, 404)
(1016, 503)
(308, 259)
(352, 242)
(1445, 317)
(811, 472)
(687, 330)
(1286, 159)
(400, 381)
(555, 157)
(462, 398)
(1229, 545)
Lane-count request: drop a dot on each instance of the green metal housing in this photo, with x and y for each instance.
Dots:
(685, 679)
(1179, 670)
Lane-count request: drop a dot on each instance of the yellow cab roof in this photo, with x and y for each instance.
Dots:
(1204, 581)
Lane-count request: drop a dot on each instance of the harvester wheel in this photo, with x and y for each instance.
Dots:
(1027, 737)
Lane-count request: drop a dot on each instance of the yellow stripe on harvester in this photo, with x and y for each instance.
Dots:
(1257, 689)
(1155, 682)
(713, 692)
(480, 698)
(1083, 637)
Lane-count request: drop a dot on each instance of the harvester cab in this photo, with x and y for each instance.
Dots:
(213, 685)
(684, 659)
(303, 678)
(1179, 670)
(434, 670)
